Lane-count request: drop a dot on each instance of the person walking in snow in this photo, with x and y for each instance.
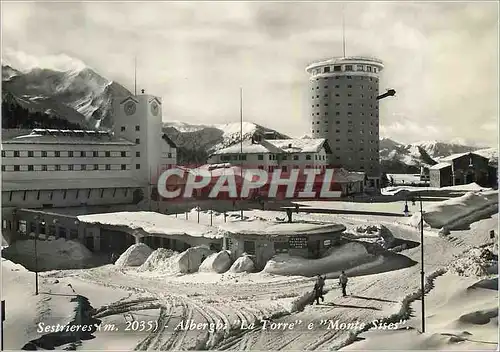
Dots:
(343, 283)
(114, 257)
(318, 290)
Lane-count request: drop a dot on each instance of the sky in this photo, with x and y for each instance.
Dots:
(441, 58)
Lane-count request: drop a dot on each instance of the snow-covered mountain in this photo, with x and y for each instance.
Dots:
(419, 153)
(212, 137)
(79, 96)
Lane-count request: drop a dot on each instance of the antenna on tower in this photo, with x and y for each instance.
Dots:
(135, 75)
(343, 31)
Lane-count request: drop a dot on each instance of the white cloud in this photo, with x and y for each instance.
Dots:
(25, 62)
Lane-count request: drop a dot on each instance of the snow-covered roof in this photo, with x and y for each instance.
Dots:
(276, 146)
(268, 228)
(76, 183)
(299, 145)
(53, 136)
(153, 223)
(452, 157)
(440, 166)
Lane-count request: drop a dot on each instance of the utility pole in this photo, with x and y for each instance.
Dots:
(422, 277)
(241, 150)
(37, 232)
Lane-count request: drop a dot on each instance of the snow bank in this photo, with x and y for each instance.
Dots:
(217, 262)
(51, 255)
(135, 255)
(243, 264)
(372, 234)
(471, 187)
(475, 262)
(452, 210)
(189, 261)
(336, 259)
(159, 260)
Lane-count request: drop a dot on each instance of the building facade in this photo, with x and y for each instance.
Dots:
(66, 168)
(461, 169)
(272, 154)
(345, 111)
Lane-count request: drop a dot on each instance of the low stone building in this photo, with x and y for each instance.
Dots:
(263, 239)
(460, 169)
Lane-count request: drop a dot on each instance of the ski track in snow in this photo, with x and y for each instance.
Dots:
(371, 297)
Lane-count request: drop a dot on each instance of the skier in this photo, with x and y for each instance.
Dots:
(343, 283)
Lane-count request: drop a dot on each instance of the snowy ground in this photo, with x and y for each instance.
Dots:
(231, 302)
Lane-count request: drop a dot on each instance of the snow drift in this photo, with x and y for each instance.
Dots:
(51, 255)
(451, 211)
(135, 255)
(167, 262)
(189, 261)
(159, 260)
(336, 259)
(243, 264)
(217, 262)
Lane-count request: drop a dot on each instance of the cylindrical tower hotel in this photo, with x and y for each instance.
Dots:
(344, 110)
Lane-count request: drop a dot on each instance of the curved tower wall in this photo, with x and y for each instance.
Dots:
(345, 111)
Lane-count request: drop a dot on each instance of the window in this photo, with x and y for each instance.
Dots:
(58, 167)
(137, 154)
(348, 67)
(57, 154)
(137, 128)
(70, 167)
(369, 68)
(337, 86)
(326, 69)
(30, 167)
(16, 167)
(349, 86)
(122, 128)
(108, 154)
(295, 157)
(96, 167)
(70, 154)
(249, 247)
(137, 141)
(260, 157)
(95, 154)
(337, 113)
(137, 166)
(124, 167)
(169, 155)
(326, 104)
(359, 68)
(3, 153)
(325, 87)
(83, 167)
(31, 154)
(16, 154)
(123, 154)
(44, 167)
(108, 167)
(308, 157)
(82, 154)
(3, 167)
(349, 77)
(337, 68)
(44, 154)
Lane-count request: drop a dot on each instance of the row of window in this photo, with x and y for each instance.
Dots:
(271, 157)
(362, 96)
(137, 128)
(349, 86)
(349, 122)
(69, 154)
(338, 114)
(78, 193)
(82, 167)
(344, 68)
(348, 105)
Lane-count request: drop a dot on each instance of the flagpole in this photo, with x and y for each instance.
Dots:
(241, 149)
